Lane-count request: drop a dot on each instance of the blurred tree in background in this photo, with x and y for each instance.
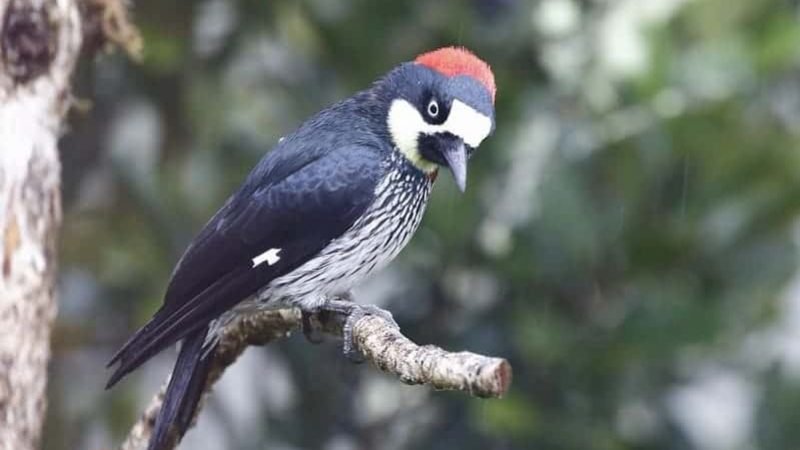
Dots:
(628, 239)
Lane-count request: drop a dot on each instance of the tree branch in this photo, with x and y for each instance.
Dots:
(378, 340)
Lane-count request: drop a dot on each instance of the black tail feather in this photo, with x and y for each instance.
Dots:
(184, 390)
(129, 343)
(174, 322)
(143, 346)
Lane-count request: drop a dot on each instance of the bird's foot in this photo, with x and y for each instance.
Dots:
(311, 334)
(349, 345)
(354, 313)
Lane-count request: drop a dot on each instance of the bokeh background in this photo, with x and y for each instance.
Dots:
(629, 239)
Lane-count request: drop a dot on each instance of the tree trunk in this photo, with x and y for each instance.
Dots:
(39, 43)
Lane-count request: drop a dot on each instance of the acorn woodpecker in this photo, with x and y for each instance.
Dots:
(336, 200)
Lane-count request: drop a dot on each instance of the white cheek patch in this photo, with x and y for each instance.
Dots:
(467, 123)
(406, 124)
(270, 257)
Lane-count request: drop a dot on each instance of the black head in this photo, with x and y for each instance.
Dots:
(441, 108)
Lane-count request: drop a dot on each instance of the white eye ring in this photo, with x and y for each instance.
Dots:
(433, 108)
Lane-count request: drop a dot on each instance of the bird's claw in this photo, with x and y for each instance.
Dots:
(372, 310)
(349, 346)
(354, 313)
(309, 332)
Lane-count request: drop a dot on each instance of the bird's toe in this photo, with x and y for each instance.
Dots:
(309, 331)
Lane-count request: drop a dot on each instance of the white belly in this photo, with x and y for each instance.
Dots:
(369, 245)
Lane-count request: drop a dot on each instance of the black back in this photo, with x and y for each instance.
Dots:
(308, 191)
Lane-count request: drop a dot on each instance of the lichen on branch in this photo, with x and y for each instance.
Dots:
(377, 339)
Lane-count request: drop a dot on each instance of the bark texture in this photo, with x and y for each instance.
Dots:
(39, 43)
(378, 340)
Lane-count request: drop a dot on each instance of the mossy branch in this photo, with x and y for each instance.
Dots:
(378, 340)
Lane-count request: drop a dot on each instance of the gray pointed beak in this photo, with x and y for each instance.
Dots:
(456, 157)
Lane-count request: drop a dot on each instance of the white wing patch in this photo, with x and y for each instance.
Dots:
(270, 257)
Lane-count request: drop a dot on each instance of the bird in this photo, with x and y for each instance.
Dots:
(334, 201)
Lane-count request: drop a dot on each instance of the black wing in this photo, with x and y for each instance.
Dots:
(297, 205)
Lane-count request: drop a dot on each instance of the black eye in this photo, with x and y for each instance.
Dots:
(433, 108)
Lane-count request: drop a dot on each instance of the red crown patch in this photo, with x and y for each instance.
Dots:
(454, 61)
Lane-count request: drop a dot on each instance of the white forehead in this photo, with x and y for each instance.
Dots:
(406, 123)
